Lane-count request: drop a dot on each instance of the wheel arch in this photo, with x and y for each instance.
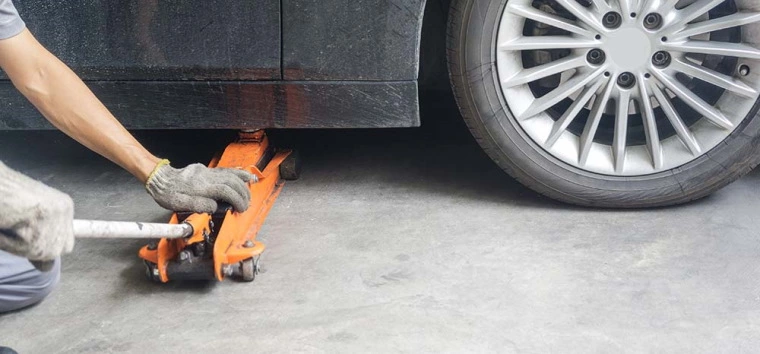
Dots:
(433, 73)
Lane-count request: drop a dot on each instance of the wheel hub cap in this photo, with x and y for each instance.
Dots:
(629, 49)
(628, 87)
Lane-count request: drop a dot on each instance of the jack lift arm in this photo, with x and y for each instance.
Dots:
(211, 246)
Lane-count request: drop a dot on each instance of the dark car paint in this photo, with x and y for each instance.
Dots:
(159, 39)
(234, 64)
(351, 39)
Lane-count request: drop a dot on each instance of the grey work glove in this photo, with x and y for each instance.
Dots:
(197, 188)
(36, 221)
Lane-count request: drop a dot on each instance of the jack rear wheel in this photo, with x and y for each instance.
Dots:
(151, 272)
(290, 168)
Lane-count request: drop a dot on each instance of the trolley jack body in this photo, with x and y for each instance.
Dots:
(223, 244)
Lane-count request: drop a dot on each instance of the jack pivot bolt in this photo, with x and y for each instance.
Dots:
(183, 256)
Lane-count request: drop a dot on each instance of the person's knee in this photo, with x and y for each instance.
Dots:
(21, 285)
(44, 282)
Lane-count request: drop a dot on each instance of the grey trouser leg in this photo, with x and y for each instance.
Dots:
(22, 285)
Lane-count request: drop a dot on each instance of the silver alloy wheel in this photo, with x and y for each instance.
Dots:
(629, 87)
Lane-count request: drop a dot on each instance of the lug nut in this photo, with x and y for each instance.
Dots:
(612, 20)
(626, 80)
(596, 56)
(661, 59)
(653, 21)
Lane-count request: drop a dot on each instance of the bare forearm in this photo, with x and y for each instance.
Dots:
(68, 104)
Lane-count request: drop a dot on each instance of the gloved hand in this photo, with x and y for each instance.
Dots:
(197, 188)
(36, 221)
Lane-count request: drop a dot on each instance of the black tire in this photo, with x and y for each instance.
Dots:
(471, 59)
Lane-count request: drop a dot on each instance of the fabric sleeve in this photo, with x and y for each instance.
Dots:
(11, 23)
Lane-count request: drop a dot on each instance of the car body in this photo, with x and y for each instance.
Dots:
(231, 64)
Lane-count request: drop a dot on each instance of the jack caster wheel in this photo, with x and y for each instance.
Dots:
(151, 271)
(248, 269)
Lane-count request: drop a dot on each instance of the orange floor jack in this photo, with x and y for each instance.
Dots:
(218, 245)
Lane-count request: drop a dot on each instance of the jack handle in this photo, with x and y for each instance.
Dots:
(121, 229)
(130, 229)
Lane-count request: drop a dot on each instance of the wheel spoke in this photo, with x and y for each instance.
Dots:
(693, 11)
(723, 81)
(620, 141)
(563, 122)
(715, 48)
(582, 14)
(602, 6)
(666, 5)
(546, 70)
(675, 120)
(592, 125)
(730, 21)
(658, 6)
(558, 94)
(694, 101)
(650, 125)
(549, 19)
(547, 42)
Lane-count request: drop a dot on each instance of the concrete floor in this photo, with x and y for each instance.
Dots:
(403, 241)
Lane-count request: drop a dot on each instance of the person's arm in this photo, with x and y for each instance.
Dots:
(36, 220)
(69, 105)
(61, 96)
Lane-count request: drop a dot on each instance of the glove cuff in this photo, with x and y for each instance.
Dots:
(160, 164)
